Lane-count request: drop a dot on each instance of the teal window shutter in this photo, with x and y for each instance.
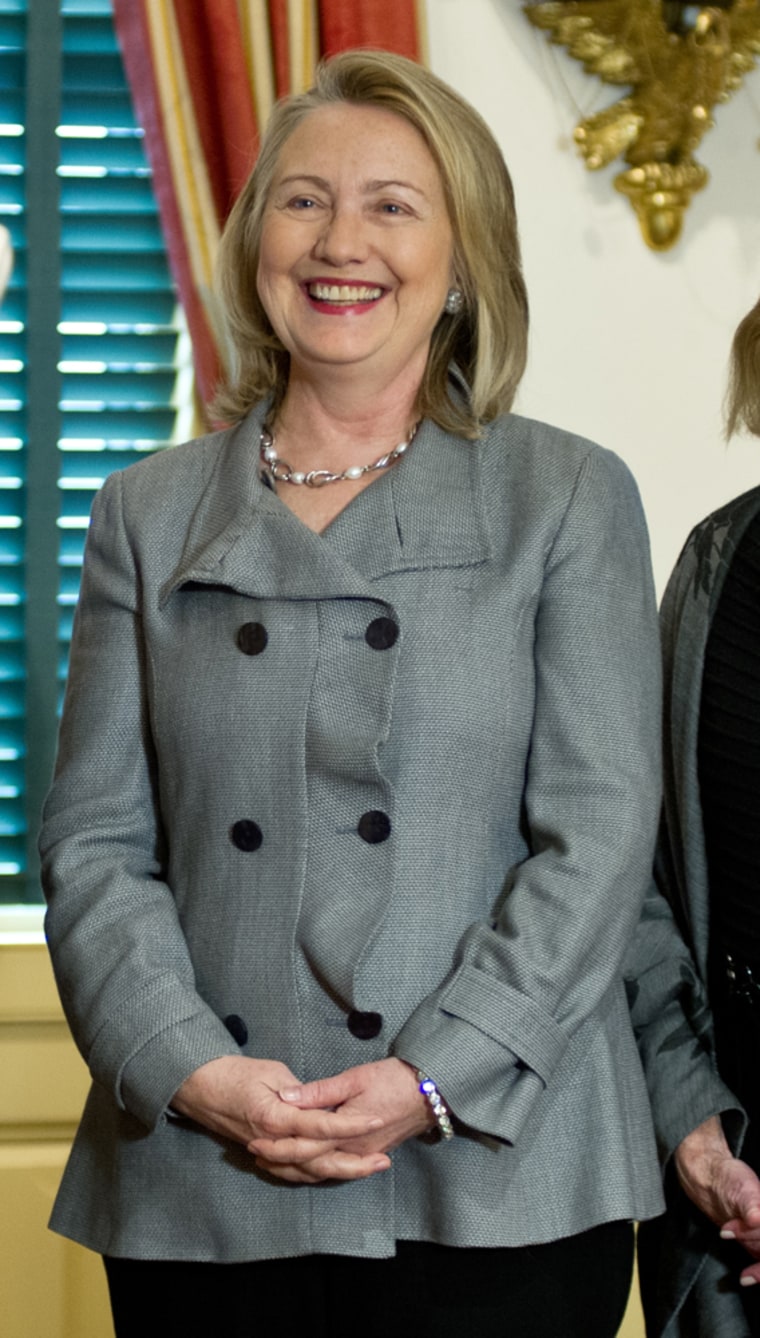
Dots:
(13, 455)
(93, 361)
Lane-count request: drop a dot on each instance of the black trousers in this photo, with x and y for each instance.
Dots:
(572, 1288)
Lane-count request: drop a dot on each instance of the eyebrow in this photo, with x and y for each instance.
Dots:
(370, 188)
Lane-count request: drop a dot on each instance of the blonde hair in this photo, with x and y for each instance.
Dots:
(487, 340)
(743, 396)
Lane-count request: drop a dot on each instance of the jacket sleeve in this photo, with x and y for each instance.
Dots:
(494, 1033)
(673, 1028)
(667, 995)
(120, 958)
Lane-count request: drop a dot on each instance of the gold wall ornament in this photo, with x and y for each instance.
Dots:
(679, 60)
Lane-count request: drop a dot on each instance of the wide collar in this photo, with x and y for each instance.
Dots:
(426, 512)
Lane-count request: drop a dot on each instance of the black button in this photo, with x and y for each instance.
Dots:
(237, 1028)
(246, 835)
(364, 1026)
(252, 638)
(381, 634)
(374, 827)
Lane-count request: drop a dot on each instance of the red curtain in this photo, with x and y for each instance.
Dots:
(379, 24)
(203, 77)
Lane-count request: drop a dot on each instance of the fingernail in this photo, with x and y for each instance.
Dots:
(291, 1094)
(748, 1282)
(727, 1235)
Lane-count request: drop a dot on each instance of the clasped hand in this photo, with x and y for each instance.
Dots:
(338, 1128)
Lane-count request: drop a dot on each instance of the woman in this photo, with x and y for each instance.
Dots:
(696, 1279)
(357, 785)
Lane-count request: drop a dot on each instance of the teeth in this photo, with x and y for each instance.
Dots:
(333, 292)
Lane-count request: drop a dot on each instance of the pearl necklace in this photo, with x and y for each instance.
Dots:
(281, 472)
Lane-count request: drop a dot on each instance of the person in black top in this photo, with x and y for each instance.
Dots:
(697, 1013)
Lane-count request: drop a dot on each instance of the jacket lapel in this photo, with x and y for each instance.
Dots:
(425, 512)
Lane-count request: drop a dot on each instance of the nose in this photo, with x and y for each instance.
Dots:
(343, 239)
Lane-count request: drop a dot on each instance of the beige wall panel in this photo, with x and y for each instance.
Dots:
(44, 1080)
(633, 1324)
(50, 1288)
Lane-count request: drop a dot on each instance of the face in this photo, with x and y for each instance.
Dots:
(356, 245)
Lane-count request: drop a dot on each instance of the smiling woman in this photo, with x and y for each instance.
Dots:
(355, 229)
(487, 339)
(337, 911)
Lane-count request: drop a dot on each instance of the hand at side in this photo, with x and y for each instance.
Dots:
(726, 1189)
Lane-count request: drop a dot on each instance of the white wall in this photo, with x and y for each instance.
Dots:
(628, 347)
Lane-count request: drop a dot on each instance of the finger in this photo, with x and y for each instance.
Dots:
(750, 1276)
(739, 1229)
(745, 1202)
(318, 1172)
(283, 1151)
(302, 1150)
(333, 1126)
(749, 1240)
(333, 1165)
(294, 1175)
(749, 1212)
(325, 1093)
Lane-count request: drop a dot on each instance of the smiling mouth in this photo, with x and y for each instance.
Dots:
(343, 294)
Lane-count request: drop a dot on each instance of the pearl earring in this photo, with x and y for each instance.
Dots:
(454, 302)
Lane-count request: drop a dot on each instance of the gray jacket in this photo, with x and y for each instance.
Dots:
(689, 1282)
(388, 789)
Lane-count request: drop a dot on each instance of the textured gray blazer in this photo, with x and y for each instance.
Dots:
(391, 789)
(689, 1288)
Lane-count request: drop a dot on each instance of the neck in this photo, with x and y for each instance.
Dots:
(335, 424)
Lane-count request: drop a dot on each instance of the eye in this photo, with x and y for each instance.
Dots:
(298, 204)
(393, 208)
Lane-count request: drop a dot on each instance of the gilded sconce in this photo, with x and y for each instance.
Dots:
(678, 60)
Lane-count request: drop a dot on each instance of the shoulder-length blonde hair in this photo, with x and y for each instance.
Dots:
(487, 339)
(743, 397)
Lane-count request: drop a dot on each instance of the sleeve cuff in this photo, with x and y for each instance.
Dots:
(166, 1035)
(488, 1048)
